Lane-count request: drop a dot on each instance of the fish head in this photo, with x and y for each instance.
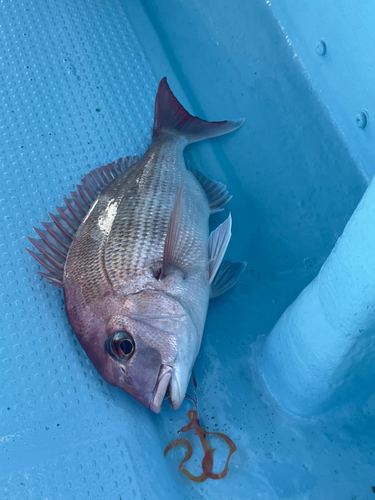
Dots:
(144, 343)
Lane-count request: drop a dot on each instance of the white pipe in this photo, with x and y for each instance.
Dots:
(321, 339)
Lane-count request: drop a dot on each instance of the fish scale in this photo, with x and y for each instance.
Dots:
(143, 224)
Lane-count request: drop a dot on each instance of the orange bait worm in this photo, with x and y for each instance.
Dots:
(207, 462)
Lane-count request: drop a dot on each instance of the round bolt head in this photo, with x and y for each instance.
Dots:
(321, 48)
(361, 119)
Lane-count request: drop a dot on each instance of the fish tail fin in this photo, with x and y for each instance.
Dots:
(171, 116)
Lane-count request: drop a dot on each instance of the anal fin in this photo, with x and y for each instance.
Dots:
(226, 277)
(217, 245)
(216, 192)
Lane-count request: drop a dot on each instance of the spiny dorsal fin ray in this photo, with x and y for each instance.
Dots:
(57, 273)
(217, 245)
(51, 243)
(50, 227)
(56, 238)
(49, 255)
(79, 201)
(216, 192)
(51, 280)
(226, 277)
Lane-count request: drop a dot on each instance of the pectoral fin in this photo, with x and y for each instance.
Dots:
(175, 241)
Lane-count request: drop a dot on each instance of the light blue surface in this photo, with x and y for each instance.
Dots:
(78, 82)
(321, 351)
(344, 77)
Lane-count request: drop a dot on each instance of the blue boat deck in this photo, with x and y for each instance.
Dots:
(78, 83)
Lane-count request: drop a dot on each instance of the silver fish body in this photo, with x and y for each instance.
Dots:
(138, 273)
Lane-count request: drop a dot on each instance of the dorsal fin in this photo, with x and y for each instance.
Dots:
(55, 239)
(216, 192)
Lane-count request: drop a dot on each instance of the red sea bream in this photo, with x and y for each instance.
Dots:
(132, 251)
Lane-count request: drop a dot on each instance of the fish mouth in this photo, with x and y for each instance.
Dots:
(161, 388)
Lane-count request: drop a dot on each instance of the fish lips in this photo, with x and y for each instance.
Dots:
(152, 400)
(161, 388)
(147, 382)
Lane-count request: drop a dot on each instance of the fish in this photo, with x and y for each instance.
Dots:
(132, 252)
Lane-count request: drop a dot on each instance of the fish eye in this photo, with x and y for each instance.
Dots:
(127, 347)
(122, 345)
